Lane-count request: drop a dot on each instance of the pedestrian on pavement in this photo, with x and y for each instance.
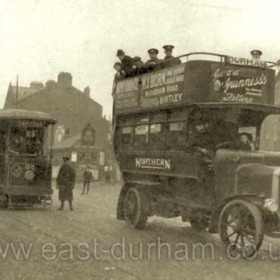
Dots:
(87, 180)
(65, 183)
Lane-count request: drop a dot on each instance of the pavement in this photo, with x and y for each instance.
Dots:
(89, 243)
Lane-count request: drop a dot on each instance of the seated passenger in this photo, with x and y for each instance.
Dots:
(126, 62)
(201, 141)
(150, 64)
(169, 58)
(244, 142)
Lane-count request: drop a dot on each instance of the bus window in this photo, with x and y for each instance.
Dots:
(141, 135)
(126, 135)
(156, 137)
(176, 136)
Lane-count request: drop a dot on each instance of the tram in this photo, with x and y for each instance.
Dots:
(25, 157)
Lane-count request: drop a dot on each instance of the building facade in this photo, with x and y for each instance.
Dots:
(72, 108)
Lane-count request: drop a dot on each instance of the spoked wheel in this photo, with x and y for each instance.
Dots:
(136, 208)
(241, 228)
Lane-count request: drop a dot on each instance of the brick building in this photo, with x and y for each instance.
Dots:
(72, 108)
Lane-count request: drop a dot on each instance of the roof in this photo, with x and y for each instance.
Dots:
(26, 114)
(67, 143)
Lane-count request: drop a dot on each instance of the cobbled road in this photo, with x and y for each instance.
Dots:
(89, 243)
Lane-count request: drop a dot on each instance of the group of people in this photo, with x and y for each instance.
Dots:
(128, 66)
(66, 182)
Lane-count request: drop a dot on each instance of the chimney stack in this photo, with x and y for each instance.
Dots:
(87, 91)
(64, 79)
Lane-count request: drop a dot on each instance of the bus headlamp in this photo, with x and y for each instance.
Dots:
(270, 204)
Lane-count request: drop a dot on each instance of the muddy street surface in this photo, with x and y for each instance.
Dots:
(89, 243)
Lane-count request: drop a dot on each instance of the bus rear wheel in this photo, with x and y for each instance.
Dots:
(136, 208)
(241, 228)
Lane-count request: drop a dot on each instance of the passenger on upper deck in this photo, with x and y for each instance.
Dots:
(138, 66)
(168, 56)
(119, 72)
(256, 55)
(150, 64)
(126, 62)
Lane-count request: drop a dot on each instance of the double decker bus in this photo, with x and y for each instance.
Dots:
(25, 157)
(228, 189)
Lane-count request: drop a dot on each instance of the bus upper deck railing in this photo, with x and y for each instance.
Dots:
(220, 58)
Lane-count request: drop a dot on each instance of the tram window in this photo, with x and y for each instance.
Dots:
(27, 141)
(176, 136)
(141, 135)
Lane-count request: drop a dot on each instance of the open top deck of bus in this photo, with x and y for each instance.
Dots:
(26, 114)
(200, 78)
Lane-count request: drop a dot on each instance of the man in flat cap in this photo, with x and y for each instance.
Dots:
(169, 59)
(256, 55)
(126, 62)
(65, 183)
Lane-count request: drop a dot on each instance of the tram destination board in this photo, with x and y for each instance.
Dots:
(155, 89)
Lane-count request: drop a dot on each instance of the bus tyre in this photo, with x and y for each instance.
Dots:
(241, 228)
(136, 208)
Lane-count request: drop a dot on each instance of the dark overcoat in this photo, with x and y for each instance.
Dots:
(65, 182)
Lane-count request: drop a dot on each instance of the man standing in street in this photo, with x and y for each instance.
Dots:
(87, 180)
(65, 183)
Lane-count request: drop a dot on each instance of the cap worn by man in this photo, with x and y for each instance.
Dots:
(120, 53)
(153, 51)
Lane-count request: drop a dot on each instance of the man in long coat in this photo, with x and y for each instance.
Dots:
(65, 183)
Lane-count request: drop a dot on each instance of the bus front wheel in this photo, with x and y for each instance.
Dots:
(136, 208)
(241, 228)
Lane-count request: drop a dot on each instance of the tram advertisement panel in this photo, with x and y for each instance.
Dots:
(163, 87)
(230, 83)
(155, 89)
(126, 94)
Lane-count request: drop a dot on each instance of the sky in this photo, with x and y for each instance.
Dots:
(40, 38)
